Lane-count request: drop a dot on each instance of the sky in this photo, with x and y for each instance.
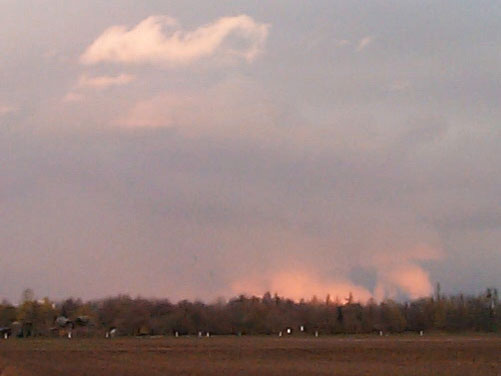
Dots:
(204, 149)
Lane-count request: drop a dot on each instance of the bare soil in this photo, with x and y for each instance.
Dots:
(397, 355)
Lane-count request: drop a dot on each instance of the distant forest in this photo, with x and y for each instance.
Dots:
(244, 315)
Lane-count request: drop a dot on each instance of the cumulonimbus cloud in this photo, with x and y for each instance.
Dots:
(161, 40)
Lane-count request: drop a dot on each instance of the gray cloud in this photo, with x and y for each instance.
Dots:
(314, 169)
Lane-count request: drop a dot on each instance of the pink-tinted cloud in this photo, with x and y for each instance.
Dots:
(103, 82)
(364, 42)
(234, 107)
(4, 109)
(160, 40)
(299, 285)
(401, 273)
(167, 110)
(72, 97)
(413, 280)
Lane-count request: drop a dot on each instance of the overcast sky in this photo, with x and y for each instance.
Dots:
(197, 149)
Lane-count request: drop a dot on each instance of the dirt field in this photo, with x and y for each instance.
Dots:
(253, 356)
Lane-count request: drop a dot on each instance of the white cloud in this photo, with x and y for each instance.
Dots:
(160, 40)
(364, 42)
(103, 82)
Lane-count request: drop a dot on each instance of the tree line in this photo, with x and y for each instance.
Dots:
(250, 315)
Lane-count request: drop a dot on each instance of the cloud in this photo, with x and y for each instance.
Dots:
(410, 279)
(395, 272)
(96, 83)
(160, 40)
(341, 42)
(72, 97)
(233, 107)
(413, 280)
(299, 285)
(4, 109)
(400, 273)
(165, 110)
(103, 82)
(364, 42)
(399, 86)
